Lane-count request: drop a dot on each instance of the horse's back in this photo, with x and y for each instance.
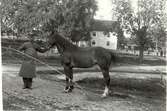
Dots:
(87, 57)
(93, 51)
(103, 56)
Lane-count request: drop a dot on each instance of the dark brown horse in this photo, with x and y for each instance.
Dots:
(73, 56)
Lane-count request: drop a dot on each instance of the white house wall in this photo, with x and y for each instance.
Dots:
(101, 40)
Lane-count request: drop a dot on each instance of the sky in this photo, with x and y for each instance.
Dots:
(105, 9)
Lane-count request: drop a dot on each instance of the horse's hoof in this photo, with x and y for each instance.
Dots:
(104, 95)
(71, 87)
(68, 90)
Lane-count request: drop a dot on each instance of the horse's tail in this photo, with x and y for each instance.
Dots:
(114, 55)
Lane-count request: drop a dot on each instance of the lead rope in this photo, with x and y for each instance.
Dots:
(78, 86)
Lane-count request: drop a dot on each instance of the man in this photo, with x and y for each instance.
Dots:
(28, 68)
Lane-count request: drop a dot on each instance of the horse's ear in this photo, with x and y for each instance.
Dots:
(52, 32)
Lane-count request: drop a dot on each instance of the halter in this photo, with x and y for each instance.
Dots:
(61, 43)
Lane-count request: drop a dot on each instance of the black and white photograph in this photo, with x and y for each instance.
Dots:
(83, 55)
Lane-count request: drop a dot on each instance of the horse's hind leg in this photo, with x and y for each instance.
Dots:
(69, 77)
(106, 76)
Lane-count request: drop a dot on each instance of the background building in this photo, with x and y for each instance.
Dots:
(102, 35)
(100, 38)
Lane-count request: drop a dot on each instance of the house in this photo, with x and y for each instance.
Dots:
(108, 41)
(102, 35)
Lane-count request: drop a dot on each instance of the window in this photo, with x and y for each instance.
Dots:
(94, 33)
(93, 42)
(108, 35)
(114, 34)
(108, 43)
(104, 33)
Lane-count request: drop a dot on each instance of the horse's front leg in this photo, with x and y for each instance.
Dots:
(69, 77)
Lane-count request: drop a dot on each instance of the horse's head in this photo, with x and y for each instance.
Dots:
(58, 40)
(52, 40)
(40, 43)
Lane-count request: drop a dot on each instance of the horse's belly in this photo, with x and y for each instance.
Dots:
(83, 62)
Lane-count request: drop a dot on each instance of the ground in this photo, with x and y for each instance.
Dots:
(133, 88)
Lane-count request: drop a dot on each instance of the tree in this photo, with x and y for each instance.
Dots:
(120, 34)
(7, 13)
(65, 16)
(158, 30)
(139, 23)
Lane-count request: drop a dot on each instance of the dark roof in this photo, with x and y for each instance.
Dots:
(103, 25)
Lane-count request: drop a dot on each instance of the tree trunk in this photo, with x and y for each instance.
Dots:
(141, 35)
(141, 51)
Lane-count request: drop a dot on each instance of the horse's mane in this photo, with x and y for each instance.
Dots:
(63, 41)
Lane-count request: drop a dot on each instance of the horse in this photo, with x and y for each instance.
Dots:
(73, 56)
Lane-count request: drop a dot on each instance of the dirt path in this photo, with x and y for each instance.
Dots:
(129, 92)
